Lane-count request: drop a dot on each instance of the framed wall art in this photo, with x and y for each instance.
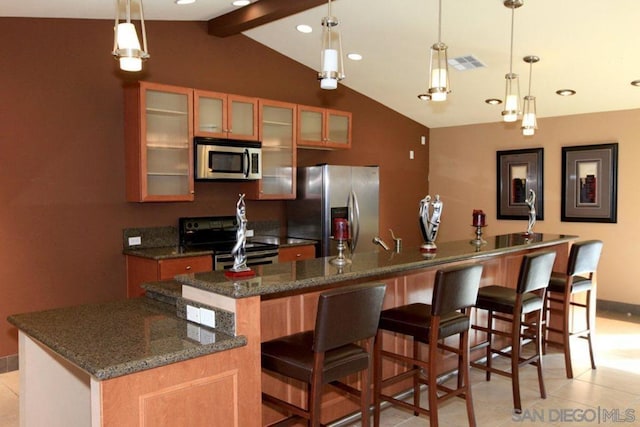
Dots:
(519, 171)
(589, 183)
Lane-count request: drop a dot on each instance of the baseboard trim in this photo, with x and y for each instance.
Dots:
(8, 363)
(618, 307)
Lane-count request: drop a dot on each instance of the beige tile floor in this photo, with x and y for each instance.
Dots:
(612, 391)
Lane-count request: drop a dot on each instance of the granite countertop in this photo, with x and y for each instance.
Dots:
(169, 252)
(122, 337)
(292, 276)
(166, 252)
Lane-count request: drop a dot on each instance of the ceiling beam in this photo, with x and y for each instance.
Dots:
(258, 13)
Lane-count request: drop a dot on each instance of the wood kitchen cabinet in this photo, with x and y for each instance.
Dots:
(221, 115)
(278, 135)
(296, 253)
(141, 270)
(322, 128)
(158, 140)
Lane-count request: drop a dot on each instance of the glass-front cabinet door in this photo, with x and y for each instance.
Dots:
(323, 128)
(220, 115)
(277, 133)
(338, 129)
(159, 134)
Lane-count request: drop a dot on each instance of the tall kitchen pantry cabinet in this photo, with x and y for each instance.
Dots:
(158, 139)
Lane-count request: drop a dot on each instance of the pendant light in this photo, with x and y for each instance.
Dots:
(512, 89)
(529, 122)
(126, 45)
(438, 67)
(331, 66)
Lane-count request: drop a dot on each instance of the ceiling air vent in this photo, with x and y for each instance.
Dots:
(467, 62)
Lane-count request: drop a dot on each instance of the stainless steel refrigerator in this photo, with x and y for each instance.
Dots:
(327, 192)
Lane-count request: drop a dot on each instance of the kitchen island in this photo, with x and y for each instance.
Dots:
(280, 299)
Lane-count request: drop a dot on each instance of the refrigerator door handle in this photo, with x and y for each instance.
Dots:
(354, 220)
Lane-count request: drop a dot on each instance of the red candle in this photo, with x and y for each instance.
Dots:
(478, 218)
(340, 229)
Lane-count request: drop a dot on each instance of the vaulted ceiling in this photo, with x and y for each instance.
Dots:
(587, 45)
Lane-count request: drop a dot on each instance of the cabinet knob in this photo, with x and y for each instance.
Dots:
(298, 255)
(188, 267)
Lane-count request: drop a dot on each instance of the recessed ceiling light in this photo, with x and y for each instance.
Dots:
(493, 101)
(566, 92)
(354, 56)
(636, 83)
(304, 28)
(240, 3)
(424, 97)
(185, 1)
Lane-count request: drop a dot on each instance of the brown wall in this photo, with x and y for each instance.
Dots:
(62, 190)
(463, 171)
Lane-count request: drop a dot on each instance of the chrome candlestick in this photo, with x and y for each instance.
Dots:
(341, 235)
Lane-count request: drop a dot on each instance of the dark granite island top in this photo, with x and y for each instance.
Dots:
(290, 277)
(122, 337)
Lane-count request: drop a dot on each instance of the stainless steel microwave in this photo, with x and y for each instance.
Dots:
(227, 159)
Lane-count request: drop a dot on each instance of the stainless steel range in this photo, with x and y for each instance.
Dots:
(218, 233)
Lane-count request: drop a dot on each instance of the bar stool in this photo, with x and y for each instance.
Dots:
(524, 307)
(582, 264)
(454, 293)
(329, 352)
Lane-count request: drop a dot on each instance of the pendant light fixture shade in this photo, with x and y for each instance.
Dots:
(331, 65)
(512, 85)
(126, 45)
(529, 120)
(439, 85)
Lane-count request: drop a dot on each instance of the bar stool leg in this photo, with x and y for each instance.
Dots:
(538, 349)
(463, 372)
(377, 378)
(566, 312)
(588, 308)
(433, 381)
(416, 377)
(515, 363)
(365, 393)
(489, 347)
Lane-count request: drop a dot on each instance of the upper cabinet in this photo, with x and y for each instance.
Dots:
(158, 139)
(323, 128)
(221, 115)
(277, 133)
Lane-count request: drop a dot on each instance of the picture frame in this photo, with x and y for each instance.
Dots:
(519, 171)
(590, 183)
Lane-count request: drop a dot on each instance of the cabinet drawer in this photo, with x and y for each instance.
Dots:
(296, 253)
(168, 268)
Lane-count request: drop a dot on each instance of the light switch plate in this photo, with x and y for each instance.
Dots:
(208, 317)
(193, 314)
(249, 233)
(135, 241)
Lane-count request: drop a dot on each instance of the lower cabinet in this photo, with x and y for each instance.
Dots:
(296, 253)
(141, 270)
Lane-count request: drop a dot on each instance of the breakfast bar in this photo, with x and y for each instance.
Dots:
(138, 362)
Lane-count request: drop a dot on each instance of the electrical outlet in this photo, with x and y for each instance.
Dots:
(135, 241)
(193, 314)
(423, 140)
(208, 317)
(411, 155)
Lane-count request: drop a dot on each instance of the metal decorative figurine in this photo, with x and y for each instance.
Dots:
(531, 203)
(430, 212)
(239, 253)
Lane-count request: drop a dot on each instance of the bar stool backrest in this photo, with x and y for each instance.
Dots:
(455, 288)
(346, 315)
(535, 271)
(584, 257)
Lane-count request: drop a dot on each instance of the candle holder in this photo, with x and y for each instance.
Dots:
(478, 241)
(340, 260)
